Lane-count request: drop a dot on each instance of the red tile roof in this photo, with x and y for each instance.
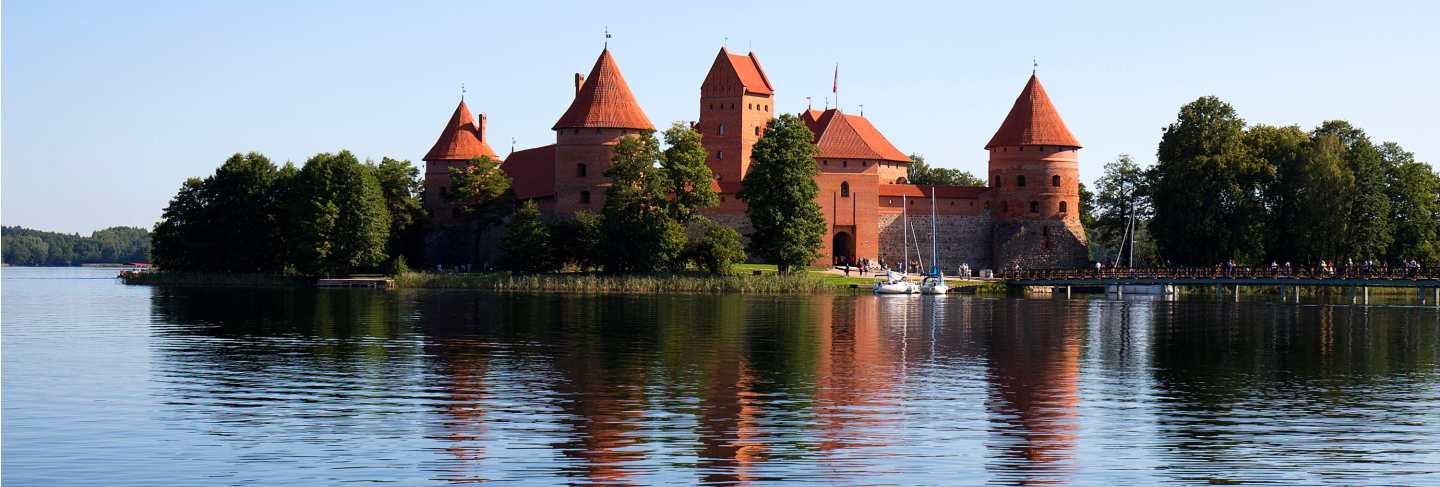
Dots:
(532, 171)
(747, 69)
(1033, 121)
(918, 191)
(842, 136)
(604, 101)
(461, 140)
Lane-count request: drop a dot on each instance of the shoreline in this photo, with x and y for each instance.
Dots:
(746, 283)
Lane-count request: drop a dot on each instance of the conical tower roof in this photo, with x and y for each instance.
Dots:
(461, 140)
(1033, 121)
(604, 101)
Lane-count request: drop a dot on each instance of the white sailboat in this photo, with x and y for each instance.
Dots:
(899, 282)
(934, 282)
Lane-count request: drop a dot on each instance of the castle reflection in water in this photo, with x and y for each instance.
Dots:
(725, 389)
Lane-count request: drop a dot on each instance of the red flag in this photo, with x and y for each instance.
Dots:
(835, 83)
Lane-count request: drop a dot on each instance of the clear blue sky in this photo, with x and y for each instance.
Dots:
(109, 106)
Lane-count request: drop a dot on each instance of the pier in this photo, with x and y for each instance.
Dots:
(1358, 279)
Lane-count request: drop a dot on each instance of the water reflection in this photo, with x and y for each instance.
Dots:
(463, 387)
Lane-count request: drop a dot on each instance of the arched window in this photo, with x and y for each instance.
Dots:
(757, 131)
(844, 189)
(581, 170)
(720, 155)
(1063, 207)
(1055, 181)
(722, 129)
(1020, 181)
(1034, 206)
(585, 197)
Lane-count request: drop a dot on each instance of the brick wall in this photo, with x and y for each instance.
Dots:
(962, 239)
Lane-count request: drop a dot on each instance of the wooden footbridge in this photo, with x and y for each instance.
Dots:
(1426, 280)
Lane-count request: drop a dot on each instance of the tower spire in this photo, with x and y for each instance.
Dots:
(1034, 65)
(462, 91)
(607, 37)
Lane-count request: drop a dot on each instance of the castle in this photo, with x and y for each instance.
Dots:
(1028, 215)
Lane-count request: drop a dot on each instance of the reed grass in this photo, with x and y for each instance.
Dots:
(624, 283)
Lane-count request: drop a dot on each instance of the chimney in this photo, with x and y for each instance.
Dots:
(579, 81)
(481, 128)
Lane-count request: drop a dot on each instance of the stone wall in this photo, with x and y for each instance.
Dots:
(1040, 244)
(963, 239)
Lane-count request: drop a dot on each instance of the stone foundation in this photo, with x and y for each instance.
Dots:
(963, 239)
(1040, 244)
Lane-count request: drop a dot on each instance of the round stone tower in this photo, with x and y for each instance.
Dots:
(1035, 186)
(604, 110)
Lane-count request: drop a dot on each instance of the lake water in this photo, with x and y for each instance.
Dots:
(107, 384)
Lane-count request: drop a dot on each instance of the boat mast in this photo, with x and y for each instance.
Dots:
(905, 233)
(934, 239)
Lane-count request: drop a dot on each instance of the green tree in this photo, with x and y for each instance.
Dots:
(483, 193)
(780, 193)
(639, 233)
(244, 215)
(1122, 192)
(578, 240)
(1369, 231)
(687, 176)
(1285, 149)
(1325, 214)
(341, 214)
(718, 249)
(1207, 188)
(1414, 191)
(526, 246)
(923, 174)
(182, 239)
(401, 185)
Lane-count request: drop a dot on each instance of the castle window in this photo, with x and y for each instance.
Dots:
(585, 198)
(720, 155)
(757, 131)
(824, 163)
(1034, 206)
(749, 106)
(1063, 207)
(1055, 181)
(722, 129)
(844, 189)
(844, 163)
(712, 106)
(912, 202)
(864, 163)
(581, 170)
(1020, 181)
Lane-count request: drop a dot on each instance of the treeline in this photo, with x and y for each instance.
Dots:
(114, 245)
(923, 174)
(1223, 191)
(334, 215)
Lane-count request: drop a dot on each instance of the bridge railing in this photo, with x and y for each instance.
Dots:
(1228, 272)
